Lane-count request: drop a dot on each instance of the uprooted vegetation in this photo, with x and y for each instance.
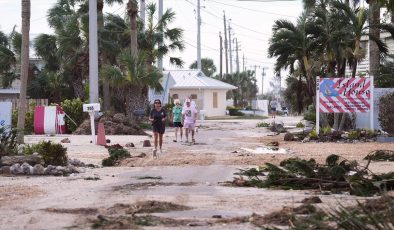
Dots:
(337, 175)
(116, 153)
(372, 214)
(380, 155)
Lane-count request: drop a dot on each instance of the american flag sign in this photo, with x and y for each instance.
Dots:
(344, 95)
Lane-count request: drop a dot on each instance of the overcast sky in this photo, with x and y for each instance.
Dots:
(251, 24)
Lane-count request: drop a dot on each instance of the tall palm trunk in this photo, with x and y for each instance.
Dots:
(24, 69)
(135, 99)
(354, 68)
(298, 93)
(374, 54)
(132, 12)
(103, 59)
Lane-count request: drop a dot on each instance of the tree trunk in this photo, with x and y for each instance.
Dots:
(299, 93)
(354, 68)
(343, 122)
(78, 87)
(337, 116)
(132, 12)
(135, 99)
(374, 53)
(24, 69)
(103, 59)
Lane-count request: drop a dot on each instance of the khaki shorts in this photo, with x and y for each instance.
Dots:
(189, 126)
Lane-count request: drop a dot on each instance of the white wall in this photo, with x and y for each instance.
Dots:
(204, 100)
(185, 93)
(363, 119)
(208, 103)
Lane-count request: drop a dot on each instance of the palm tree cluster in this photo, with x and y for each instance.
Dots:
(247, 87)
(324, 41)
(10, 50)
(127, 54)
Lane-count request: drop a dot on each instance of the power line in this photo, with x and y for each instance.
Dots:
(254, 10)
(243, 27)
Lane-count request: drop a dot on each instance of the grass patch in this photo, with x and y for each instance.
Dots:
(263, 124)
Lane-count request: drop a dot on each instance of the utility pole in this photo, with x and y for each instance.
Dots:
(225, 41)
(230, 50)
(142, 12)
(221, 56)
(237, 58)
(243, 62)
(198, 36)
(160, 59)
(262, 80)
(255, 70)
(93, 53)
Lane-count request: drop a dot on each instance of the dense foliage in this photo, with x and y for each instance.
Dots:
(29, 120)
(386, 113)
(73, 109)
(8, 144)
(52, 153)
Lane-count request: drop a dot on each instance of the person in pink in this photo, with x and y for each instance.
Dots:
(189, 114)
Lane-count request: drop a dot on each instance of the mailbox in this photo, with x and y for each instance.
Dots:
(91, 107)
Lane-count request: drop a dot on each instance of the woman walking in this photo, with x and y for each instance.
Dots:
(177, 119)
(158, 117)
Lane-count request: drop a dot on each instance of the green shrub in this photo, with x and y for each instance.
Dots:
(8, 145)
(313, 134)
(386, 113)
(326, 130)
(310, 114)
(116, 153)
(73, 108)
(263, 124)
(354, 135)
(52, 153)
(29, 121)
(370, 133)
(234, 111)
(300, 125)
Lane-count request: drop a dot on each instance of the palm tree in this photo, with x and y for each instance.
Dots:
(158, 40)
(132, 12)
(133, 75)
(45, 47)
(71, 31)
(207, 65)
(246, 83)
(7, 62)
(103, 56)
(292, 43)
(357, 27)
(24, 69)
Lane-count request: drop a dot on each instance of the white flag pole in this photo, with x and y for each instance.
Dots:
(317, 105)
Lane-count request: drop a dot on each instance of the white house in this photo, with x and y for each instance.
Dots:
(208, 94)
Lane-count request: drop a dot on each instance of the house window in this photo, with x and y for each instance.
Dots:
(215, 99)
(193, 96)
(175, 96)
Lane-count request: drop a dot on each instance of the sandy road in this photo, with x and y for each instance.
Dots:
(185, 175)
